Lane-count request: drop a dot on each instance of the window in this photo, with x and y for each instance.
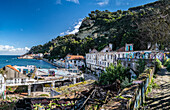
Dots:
(127, 48)
(129, 65)
(22, 80)
(115, 57)
(15, 74)
(130, 48)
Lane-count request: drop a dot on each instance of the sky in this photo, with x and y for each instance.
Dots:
(27, 23)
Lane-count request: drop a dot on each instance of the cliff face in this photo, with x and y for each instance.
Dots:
(138, 25)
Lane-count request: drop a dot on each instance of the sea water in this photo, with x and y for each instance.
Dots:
(12, 60)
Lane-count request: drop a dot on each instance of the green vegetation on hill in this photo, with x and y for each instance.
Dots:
(140, 25)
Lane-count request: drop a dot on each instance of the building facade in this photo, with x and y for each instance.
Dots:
(98, 61)
(14, 76)
(2, 86)
(75, 60)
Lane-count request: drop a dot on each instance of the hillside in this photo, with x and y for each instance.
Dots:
(140, 25)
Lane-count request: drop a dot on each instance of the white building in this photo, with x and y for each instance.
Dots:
(97, 61)
(2, 86)
(39, 55)
(25, 69)
(75, 60)
(26, 57)
(100, 60)
(14, 76)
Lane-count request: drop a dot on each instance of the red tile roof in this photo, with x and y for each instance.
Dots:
(72, 57)
(12, 68)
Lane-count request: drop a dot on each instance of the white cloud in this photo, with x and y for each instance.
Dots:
(103, 2)
(75, 30)
(11, 50)
(75, 1)
(62, 33)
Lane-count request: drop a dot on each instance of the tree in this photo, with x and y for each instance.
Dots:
(141, 66)
(112, 74)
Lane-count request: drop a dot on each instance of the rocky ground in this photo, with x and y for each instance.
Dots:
(159, 98)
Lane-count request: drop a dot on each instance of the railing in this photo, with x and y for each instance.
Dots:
(9, 83)
(135, 95)
(135, 59)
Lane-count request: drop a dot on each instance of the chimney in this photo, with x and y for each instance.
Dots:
(110, 46)
(149, 45)
(89, 50)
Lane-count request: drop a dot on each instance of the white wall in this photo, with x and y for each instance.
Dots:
(2, 84)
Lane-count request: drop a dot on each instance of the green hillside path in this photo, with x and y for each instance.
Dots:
(159, 99)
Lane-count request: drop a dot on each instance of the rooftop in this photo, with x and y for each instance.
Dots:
(72, 57)
(12, 68)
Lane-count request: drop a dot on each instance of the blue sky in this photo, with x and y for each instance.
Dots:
(26, 23)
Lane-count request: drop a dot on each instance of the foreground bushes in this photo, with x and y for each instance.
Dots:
(159, 64)
(115, 73)
(167, 61)
(167, 64)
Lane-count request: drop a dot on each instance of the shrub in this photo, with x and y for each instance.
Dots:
(44, 95)
(167, 62)
(125, 83)
(141, 65)
(159, 64)
(112, 74)
(168, 67)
